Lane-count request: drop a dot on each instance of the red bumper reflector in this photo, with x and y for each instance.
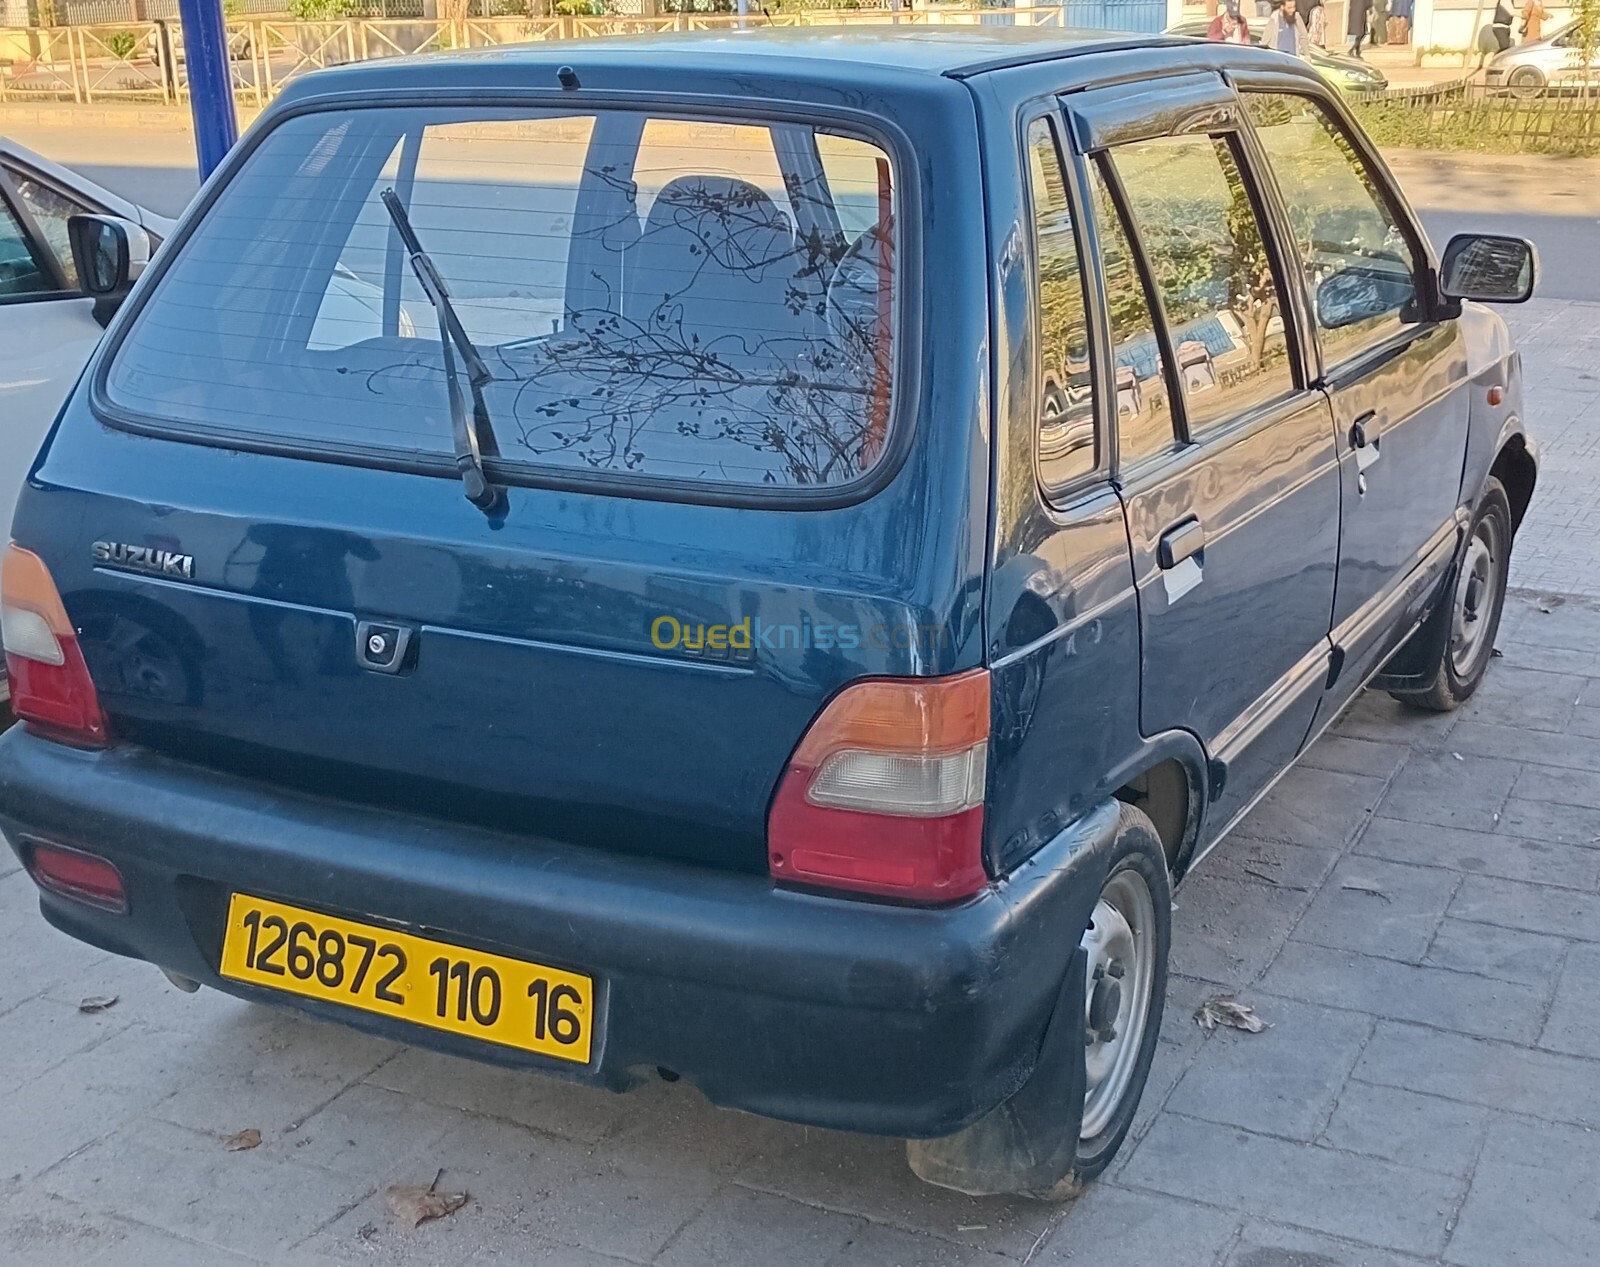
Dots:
(83, 877)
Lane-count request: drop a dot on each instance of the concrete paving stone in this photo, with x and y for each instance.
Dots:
(1534, 908)
(738, 1227)
(1264, 1244)
(1573, 624)
(1574, 1022)
(1374, 715)
(1314, 807)
(529, 1251)
(1172, 1060)
(37, 1227)
(890, 1247)
(39, 1034)
(186, 1184)
(1111, 1227)
(147, 1247)
(36, 956)
(1560, 824)
(1275, 863)
(507, 1171)
(1403, 1126)
(1564, 787)
(1283, 1081)
(1376, 1202)
(1378, 907)
(1227, 932)
(85, 1097)
(668, 1119)
(524, 1096)
(1407, 992)
(1518, 1079)
(1524, 655)
(1435, 787)
(1484, 853)
(1586, 718)
(1348, 754)
(868, 1176)
(1535, 1200)
(1514, 743)
(1535, 699)
(355, 1133)
(1503, 953)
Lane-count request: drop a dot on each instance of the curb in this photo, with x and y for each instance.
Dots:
(65, 114)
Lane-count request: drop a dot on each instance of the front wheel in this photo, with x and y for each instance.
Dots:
(1068, 1121)
(1525, 82)
(1477, 596)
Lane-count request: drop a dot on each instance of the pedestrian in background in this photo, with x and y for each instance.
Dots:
(1380, 23)
(1228, 27)
(1356, 27)
(1400, 21)
(1496, 37)
(1285, 31)
(1317, 23)
(1534, 15)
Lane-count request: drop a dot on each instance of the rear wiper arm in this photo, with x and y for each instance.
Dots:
(452, 336)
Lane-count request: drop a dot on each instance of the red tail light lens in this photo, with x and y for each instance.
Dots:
(885, 793)
(50, 683)
(84, 877)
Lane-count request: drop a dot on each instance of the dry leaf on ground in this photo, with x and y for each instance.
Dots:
(1223, 1009)
(416, 1205)
(243, 1141)
(98, 1002)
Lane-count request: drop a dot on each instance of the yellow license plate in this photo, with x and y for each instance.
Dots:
(430, 983)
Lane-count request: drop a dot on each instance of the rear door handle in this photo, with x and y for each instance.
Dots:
(1179, 543)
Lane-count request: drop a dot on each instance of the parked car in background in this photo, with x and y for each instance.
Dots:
(853, 517)
(1554, 64)
(1348, 74)
(47, 322)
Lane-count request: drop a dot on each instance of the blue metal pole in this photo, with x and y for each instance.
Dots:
(205, 54)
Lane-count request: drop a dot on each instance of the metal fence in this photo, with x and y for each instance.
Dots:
(1465, 115)
(143, 61)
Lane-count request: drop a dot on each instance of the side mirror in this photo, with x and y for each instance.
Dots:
(109, 254)
(1361, 292)
(1489, 268)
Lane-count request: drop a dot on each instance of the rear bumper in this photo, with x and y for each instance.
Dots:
(832, 1012)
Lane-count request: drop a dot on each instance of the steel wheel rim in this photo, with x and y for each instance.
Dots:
(1119, 978)
(1476, 587)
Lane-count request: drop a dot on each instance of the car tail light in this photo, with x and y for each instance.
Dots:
(50, 683)
(84, 877)
(884, 795)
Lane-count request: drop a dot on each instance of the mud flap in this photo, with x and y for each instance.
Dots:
(1029, 1143)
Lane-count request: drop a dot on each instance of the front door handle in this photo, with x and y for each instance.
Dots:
(1364, 439)
(1179, 543)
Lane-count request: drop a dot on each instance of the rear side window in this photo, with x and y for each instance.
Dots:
(1068, 448)
(655, 297)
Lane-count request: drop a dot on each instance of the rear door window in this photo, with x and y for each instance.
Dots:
(656, 298)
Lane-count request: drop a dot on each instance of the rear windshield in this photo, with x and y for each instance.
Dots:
(656, 297)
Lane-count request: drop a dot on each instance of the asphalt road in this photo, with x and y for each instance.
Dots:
(1555, 202)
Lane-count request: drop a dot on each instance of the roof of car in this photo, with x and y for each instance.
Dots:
(950, 50)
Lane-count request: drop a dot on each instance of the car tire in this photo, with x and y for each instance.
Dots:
(1525, 82)
(1113, 1003)
(1469, 619)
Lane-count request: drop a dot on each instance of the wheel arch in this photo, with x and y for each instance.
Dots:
(1517, 470)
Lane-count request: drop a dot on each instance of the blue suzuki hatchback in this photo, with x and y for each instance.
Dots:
(805, 540)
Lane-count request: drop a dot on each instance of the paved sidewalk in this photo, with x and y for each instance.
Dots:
(1415, 910)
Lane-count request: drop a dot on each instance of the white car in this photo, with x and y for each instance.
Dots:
(48, 327)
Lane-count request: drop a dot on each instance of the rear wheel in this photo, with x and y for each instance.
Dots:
(1477, 596)
(1067, 1123)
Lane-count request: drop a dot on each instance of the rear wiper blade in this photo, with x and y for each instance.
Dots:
(452, 336)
